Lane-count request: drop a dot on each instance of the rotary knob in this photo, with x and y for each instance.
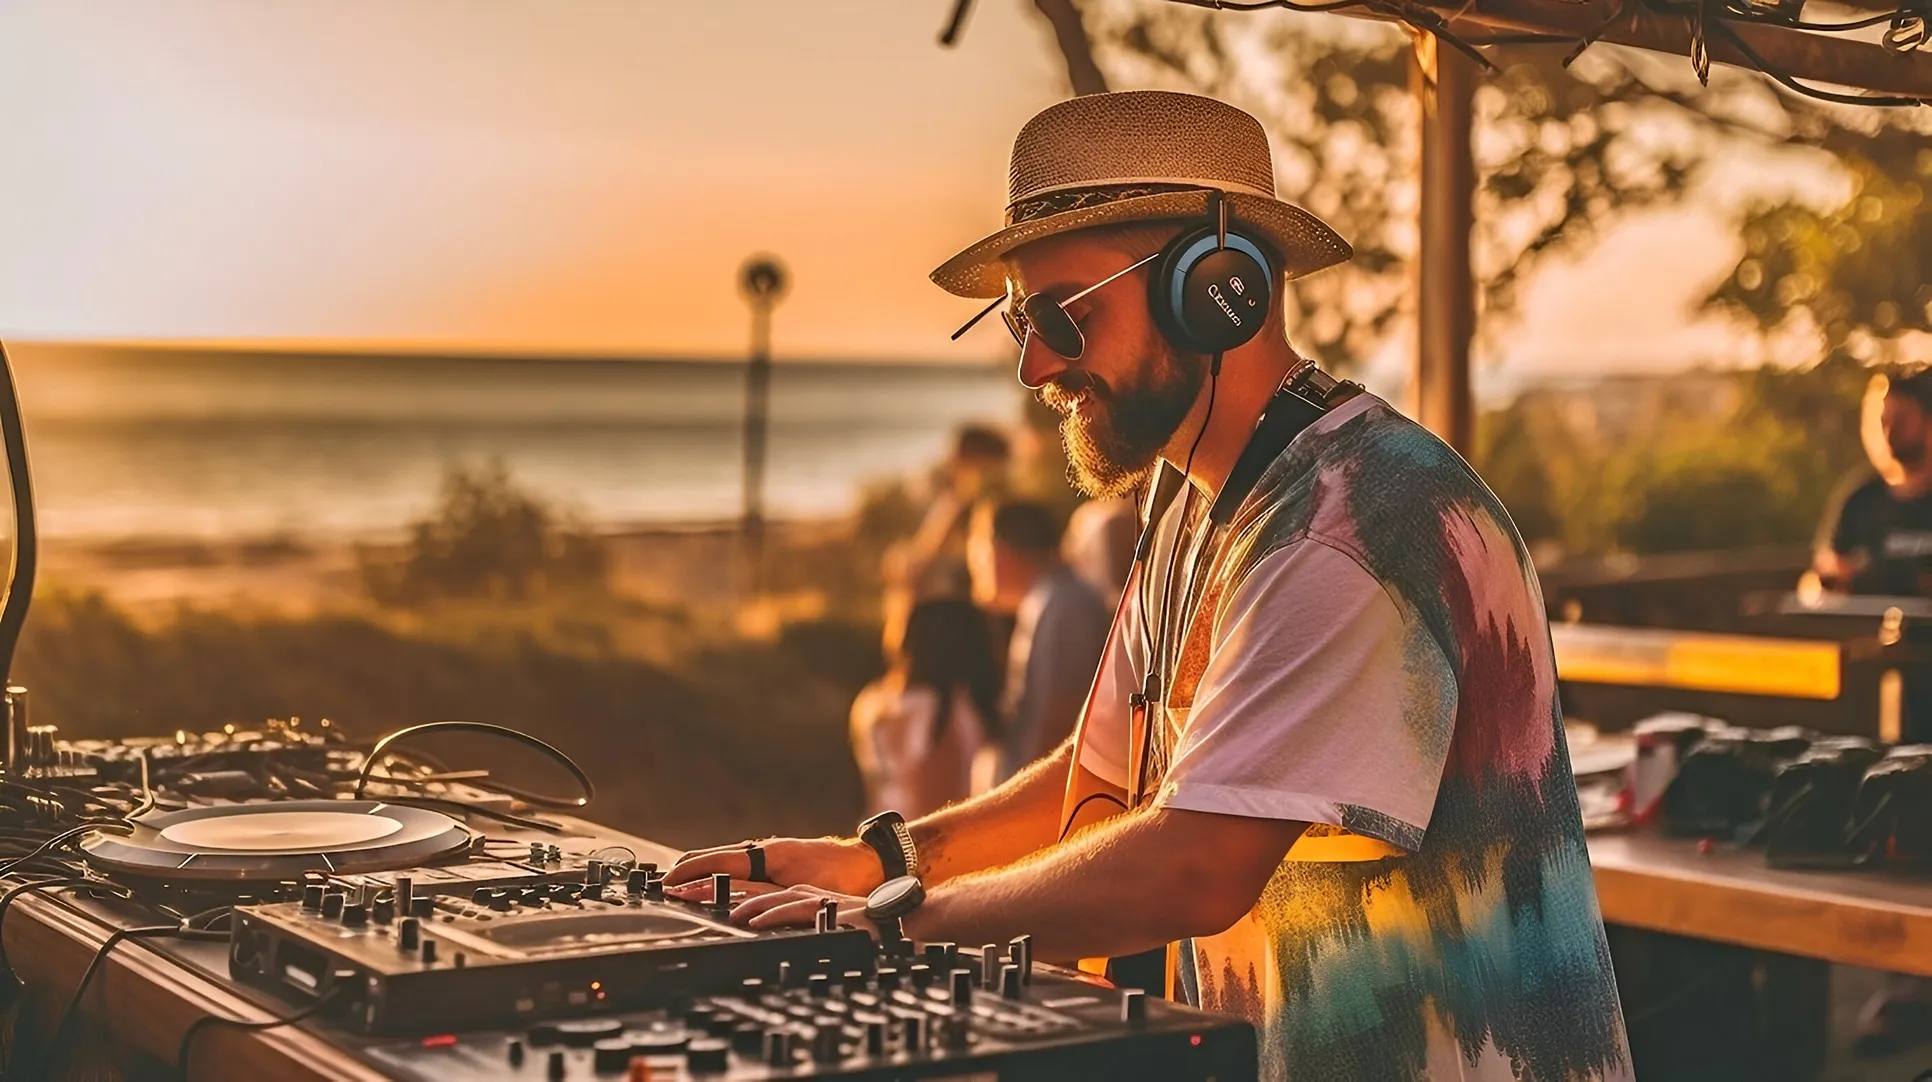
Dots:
(312, 897)
(384, 910)
(989, 965)
(332, 904)
(921, 974)
(558, 1067)
(409, 934)
(820, 985)
(721, 891)
(962, 987)
(778, 1047)
(355, 915)
(748, 1038)
(825, 1045)
(888, 978)
(707, 1057)
(611, 1055)
(912, 1033)
(1009, 982)
(1133, 1006)
(853, 980)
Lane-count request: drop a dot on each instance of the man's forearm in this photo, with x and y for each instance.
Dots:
(1136, 882)
(997, 827)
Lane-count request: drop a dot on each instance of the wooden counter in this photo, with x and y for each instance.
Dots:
(1661, 884)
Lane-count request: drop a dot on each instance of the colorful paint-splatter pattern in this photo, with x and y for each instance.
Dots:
(1479, 954)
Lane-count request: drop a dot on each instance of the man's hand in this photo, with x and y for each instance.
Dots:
(798, 908)
(845, 865)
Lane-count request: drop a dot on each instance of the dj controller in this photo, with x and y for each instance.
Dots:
(439, 930)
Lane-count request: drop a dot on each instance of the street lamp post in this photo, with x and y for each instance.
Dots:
(763, 282)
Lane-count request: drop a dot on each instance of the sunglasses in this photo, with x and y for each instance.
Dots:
(1044, 318)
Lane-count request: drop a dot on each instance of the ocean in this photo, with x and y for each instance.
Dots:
(129, 442)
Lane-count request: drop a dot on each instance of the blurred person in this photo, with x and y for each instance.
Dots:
(1059, 626)
(1322, 767)
(1877, 539)
(932, 562)
(1877, 536)
(917, 730)
(1099, 544)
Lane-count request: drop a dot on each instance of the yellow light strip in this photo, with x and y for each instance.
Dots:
(1644, 657)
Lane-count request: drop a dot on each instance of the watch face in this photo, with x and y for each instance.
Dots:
(895, 897)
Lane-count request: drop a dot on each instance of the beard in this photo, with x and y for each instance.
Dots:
(1113, 434)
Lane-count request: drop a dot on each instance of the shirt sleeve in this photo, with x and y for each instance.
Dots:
(1321, 703)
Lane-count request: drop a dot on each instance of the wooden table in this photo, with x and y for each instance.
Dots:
(1661, 884)
(143, 1001)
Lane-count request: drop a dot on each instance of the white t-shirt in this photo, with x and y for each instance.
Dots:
(893, 737)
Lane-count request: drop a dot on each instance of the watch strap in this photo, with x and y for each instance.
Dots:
(888, 836)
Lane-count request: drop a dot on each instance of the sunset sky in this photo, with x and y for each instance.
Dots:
(577, 177)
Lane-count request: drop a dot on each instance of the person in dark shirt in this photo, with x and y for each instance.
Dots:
(1878, 537)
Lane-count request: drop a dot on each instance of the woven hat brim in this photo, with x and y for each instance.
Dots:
(1305, 242)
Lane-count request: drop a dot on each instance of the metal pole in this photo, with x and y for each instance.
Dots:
(757, 419)
(1444, 81)
(762, 281)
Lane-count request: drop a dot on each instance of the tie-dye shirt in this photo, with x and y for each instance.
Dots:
(1370, 656)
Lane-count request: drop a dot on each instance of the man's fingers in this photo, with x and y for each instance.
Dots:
(752, 907)
(732, 860)
(802, 912)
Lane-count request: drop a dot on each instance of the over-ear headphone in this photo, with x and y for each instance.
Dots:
(1210, 288)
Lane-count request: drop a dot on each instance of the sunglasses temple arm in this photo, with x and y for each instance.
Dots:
(983, 313)
(1130, 267)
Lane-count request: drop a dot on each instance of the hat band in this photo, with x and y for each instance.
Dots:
(1080, 198)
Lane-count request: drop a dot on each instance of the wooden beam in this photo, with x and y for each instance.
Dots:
(1444, 81)
(1823, 58)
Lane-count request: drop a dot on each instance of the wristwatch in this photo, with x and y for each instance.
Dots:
(892, 900)
(887, 835)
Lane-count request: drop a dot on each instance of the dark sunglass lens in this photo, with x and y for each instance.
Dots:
(1054, 326)
(1014, 325)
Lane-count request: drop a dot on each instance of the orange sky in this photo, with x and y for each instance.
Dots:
(582, 176)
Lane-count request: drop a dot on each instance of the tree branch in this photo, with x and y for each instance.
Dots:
(1071, 35)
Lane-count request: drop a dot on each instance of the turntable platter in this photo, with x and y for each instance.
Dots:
(282, 831)
(279, 840)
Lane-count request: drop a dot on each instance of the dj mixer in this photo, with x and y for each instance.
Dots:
(432, 946)
(940, 1013)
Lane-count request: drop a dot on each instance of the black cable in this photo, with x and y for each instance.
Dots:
(565, 761)
(26, 539)
(113, 940)
(477, 809)
(6, 902)
(1786, 81)
(210, 1020)
(1083, 802)
(59, 840)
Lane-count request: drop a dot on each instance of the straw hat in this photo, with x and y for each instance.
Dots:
(1139, 155)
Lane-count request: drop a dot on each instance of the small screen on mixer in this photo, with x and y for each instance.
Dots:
(536, 936)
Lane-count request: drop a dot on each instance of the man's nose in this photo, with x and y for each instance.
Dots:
(1038, 364)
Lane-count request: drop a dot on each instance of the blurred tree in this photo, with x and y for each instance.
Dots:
(487, 539)
(1852, 278)
(1562, 151)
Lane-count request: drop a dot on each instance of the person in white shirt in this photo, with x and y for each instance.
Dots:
(917, 729)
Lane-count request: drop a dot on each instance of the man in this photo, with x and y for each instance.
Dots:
(1878, 537)
(1351, 814)
(1059, 626)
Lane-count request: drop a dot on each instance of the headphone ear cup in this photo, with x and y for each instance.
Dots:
(1208, 298)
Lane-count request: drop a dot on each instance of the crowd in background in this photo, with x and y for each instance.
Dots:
(996, 613)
